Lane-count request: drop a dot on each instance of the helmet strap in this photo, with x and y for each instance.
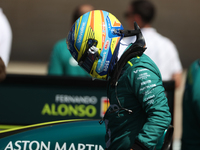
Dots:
(134, 50)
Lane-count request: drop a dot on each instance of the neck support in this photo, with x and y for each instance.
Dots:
(134, 49)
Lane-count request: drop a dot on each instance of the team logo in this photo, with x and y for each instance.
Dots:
(107, 44)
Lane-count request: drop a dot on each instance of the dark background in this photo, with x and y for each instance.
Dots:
(38, 24)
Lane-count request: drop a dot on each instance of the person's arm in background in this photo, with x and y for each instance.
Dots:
(2, 70)
(177, 77)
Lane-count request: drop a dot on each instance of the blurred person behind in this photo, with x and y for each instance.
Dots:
(159, 48)
(5, 38)
(61, 62)
(191, 109)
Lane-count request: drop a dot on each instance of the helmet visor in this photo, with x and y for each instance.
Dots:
(89, 56)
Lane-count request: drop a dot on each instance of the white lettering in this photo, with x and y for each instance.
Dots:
(96, 147)
(101, 148)
(17, 145)
(143, 76)
(57, 147)
(90, 146)
(72, 147)
(147, 92)
(102, 61)
(25, 144)
(145, 82)
(150, 97)
(150, 102)
(81, 146)
(76, 99)
(9, 146)
(44, 146)
(149, 86)
(106, 65)
(136, 71)
(81, 32)
(143, 70)
(37, 145)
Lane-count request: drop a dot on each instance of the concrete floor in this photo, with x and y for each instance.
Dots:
(41, 69)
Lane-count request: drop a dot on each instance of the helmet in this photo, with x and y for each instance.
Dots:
(94, 43)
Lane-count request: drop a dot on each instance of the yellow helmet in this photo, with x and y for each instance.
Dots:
(94, 43)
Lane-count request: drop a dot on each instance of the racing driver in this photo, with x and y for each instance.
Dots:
(138, 114)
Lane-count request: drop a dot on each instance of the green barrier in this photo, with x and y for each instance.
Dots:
(31, 99)
(61, 135)
(35, 99)
(68, 135)
(27, 100)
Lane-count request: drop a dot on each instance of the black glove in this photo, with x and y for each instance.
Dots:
(139, 146)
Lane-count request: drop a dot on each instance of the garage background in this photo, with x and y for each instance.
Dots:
(38, 24)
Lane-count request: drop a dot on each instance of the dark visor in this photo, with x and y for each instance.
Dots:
(88, 58)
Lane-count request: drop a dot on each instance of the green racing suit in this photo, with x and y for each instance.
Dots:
(138, 112)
